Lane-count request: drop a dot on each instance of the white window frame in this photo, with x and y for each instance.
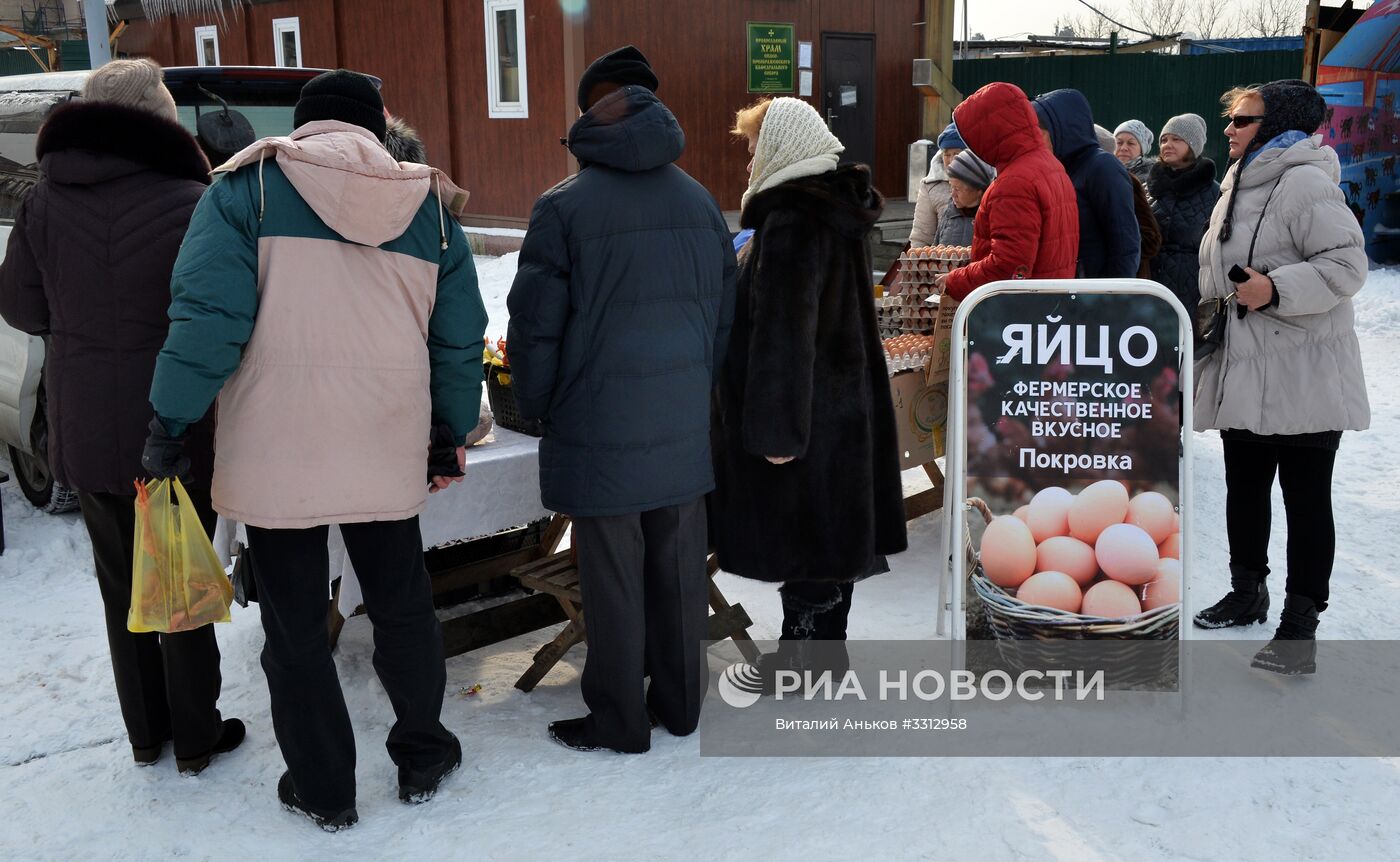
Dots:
(200, 33)
(497, 109)
(286, 25)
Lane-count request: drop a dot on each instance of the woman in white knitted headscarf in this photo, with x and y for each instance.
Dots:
(806, 459)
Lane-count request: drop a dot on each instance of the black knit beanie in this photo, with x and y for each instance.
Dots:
(1290, 105)
(345, 96)
(624, 66)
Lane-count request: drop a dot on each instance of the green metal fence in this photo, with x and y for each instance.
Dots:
(1147, 87)
(73, 55)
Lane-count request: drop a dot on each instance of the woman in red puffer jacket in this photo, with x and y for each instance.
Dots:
(1028, 224)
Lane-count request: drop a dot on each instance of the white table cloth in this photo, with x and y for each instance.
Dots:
(501, 491)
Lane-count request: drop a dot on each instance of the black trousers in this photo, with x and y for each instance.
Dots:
(646, 609)
(1305, 475)
(167, 684)
(308, 708)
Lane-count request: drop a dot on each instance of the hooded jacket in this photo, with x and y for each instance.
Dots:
(88, 265)
(806, 379)
(329, 300)
(934, 195)
(619, 316)
(1182, 201)
(1292, 368)
(1026, 226)
(1109, 236)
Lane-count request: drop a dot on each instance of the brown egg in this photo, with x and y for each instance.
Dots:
(1110, 599)
(1051, 590)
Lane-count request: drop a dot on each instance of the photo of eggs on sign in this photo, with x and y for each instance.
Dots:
(1098, 553)
(1073, 440)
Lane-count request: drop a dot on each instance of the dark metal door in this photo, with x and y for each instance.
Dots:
(848, 93)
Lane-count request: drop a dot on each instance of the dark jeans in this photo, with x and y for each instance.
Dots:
(646, 608)
(308, 709)
(1305, 474)
(167, 684)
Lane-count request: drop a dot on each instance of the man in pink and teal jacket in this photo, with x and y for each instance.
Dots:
(327, 297)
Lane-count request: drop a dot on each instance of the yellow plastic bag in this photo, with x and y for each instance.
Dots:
(177, 583)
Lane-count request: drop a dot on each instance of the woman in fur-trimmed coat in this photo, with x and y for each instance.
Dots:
(806, 456)
(88, 266)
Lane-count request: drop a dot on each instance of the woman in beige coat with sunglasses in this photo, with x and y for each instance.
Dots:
(1287, 381)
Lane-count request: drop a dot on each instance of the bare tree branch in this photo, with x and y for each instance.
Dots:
(1268, 18)
(1211, 19)
(1160, 17)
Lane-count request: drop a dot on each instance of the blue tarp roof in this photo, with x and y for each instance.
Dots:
(1234, 46)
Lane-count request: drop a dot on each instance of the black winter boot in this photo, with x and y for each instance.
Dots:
(813, 637)
(230, 737)
(1293, 650)
(331, 821)
(417, 786)
(1246, 603)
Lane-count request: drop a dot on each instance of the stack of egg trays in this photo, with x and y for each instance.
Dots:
(888, 315)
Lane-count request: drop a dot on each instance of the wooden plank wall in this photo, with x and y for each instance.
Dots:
(430, 54)
(317, 20)
(700, 59)
(506, 163)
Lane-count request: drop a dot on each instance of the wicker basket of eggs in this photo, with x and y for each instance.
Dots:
(1095, 565)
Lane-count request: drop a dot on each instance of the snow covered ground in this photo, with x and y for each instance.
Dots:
(68, 788)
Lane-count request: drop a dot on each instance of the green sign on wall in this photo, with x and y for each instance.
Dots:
(770, 57)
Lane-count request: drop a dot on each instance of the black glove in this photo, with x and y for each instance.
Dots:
(164, 456)
(442, 454)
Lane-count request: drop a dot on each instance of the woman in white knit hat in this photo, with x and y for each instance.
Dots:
(1183, 190)
(1132, 143)
(808, 490)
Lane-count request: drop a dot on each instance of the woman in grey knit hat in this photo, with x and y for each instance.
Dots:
(1183, 191)
(1132, 143)
(969, 177)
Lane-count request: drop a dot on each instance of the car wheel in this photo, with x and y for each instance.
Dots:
(32, 472)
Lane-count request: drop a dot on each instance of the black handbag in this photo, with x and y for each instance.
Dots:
(1212, 315)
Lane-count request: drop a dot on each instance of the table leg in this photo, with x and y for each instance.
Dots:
(553, 535)
(719, 604)
(935, 476)
(549, 655)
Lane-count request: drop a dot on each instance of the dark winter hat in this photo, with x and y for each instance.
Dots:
(624, 66)
(972, 170)
(345, 96)
(1289, 105)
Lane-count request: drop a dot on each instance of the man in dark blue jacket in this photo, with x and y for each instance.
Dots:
(619, 317)
(1110, 242)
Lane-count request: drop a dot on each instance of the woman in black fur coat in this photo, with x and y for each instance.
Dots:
(1183, 190)
(806, 456)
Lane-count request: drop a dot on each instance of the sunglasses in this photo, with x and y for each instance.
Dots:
(1242, 121)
